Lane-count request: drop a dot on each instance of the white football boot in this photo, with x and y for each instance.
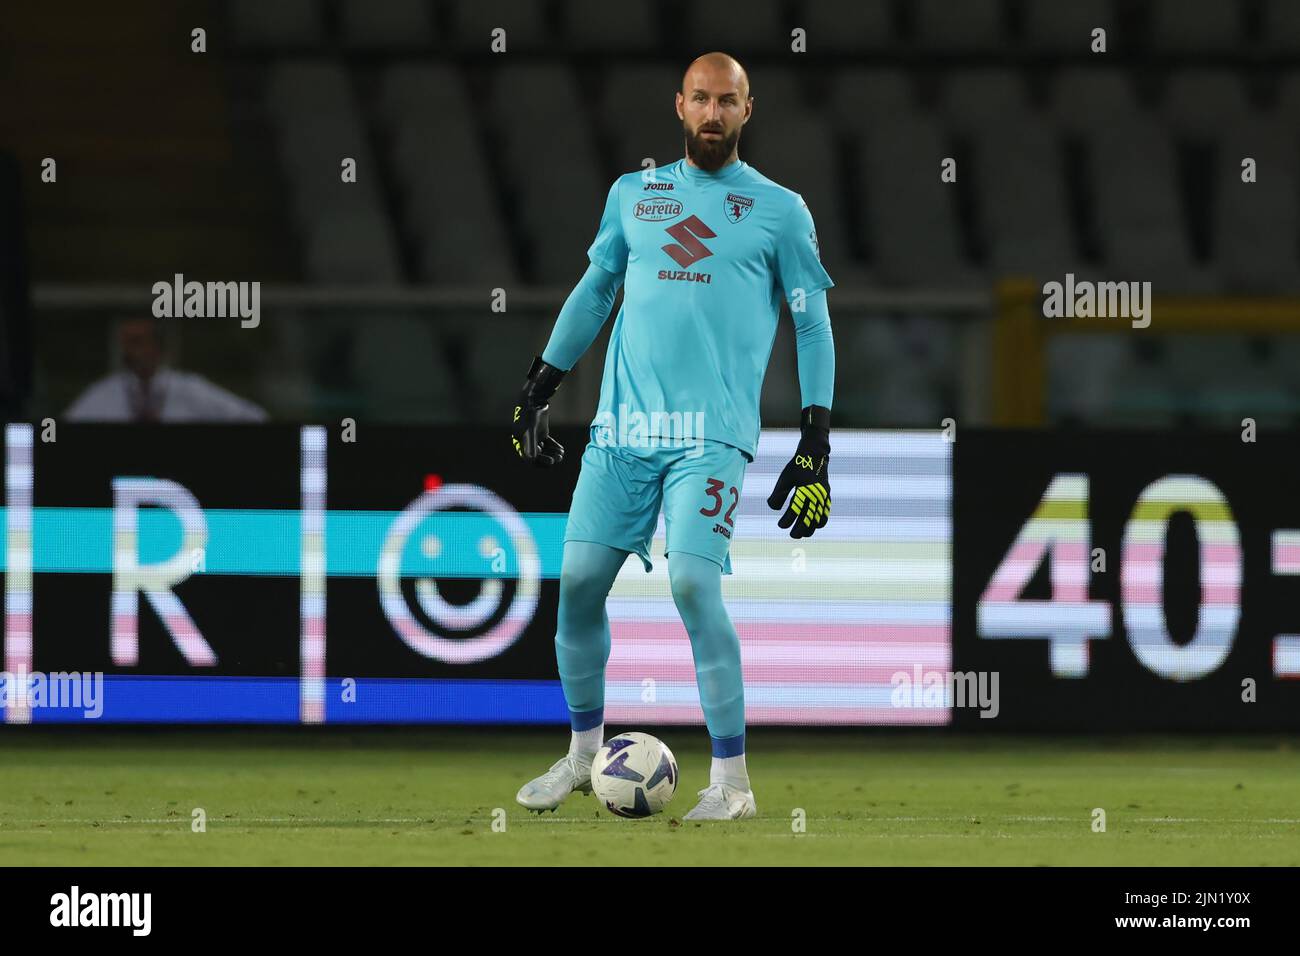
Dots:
(721, 801)
(571, 773)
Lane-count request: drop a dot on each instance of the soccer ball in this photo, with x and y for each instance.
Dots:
(634, 775)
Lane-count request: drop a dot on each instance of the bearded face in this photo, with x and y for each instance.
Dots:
(709, 145)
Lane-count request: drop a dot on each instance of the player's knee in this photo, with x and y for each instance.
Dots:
(579, 585)
(690, 593)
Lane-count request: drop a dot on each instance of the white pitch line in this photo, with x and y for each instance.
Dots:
(983, 819)
(185, 820)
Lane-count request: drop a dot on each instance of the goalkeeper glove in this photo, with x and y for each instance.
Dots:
(807, 476)
(530, 429)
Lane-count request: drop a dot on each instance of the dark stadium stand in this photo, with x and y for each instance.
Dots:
(1122, 166)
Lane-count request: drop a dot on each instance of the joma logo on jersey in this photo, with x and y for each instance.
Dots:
(685, 276)
(661, 187)
(657, 210)
(737, 207)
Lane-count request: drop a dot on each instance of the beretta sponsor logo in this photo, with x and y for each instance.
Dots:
(657, 209)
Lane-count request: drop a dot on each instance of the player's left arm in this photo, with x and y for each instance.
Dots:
(805, 282)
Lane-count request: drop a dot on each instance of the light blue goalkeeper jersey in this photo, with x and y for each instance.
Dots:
(707, 257)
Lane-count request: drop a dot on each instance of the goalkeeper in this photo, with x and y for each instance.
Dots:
(704, 249)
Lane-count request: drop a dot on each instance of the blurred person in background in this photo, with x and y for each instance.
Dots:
(147, 390)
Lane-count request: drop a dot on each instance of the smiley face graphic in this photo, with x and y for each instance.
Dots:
(465, 533)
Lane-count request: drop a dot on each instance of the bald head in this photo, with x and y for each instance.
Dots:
(715, 70)
(713, 105)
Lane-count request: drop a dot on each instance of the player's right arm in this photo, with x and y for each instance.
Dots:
(580, 320)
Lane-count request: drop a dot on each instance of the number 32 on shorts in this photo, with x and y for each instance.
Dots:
(715, 490)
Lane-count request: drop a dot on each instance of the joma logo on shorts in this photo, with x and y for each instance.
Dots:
(722, 530)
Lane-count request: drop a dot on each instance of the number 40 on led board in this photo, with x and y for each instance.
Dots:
(1059, 531)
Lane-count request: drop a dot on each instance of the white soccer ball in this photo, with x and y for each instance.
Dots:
(634, 775)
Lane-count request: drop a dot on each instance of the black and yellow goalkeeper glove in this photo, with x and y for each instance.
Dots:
(530, 429)
(806, 475)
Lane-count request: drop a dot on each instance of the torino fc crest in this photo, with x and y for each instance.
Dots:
(737, 207)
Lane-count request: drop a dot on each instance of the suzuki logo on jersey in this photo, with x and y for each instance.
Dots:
(688, 234)
(737, 207)
(657, 210)
(683, 276)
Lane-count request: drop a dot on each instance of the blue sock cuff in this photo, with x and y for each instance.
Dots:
(728, 746)
(581, 720)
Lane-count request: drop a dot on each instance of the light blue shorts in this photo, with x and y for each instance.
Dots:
(621, 488)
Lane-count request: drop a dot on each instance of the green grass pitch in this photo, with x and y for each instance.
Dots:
(431, 797)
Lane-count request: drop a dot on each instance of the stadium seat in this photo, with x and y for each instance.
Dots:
(779, 93)
(526, 334)
(318, 123)
(974, 99)
(292, 342)
(1281, 26)
(410, 90)
(352, 246)
(597, 25)
(914, 234)
(280, 25)
(1222, 375)
(523, 20)
(638, 112)
(1087, 100)
(865, 25)
(762, 28)
(892, 382)
(1288, 98)
(943, 26)
(802, 156)
(1195, 26)
(393, 24)
(1089, 376)
(401, 368)
(864, 97)
(294, 85)
(1022, 202)
(1138, 208)
(534, 98)
(1066, 28)
(443, 179)
(1202, 102)
(449, 207)
(1255, 224)
(931, 344)
(549, 146)
(781, 398)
